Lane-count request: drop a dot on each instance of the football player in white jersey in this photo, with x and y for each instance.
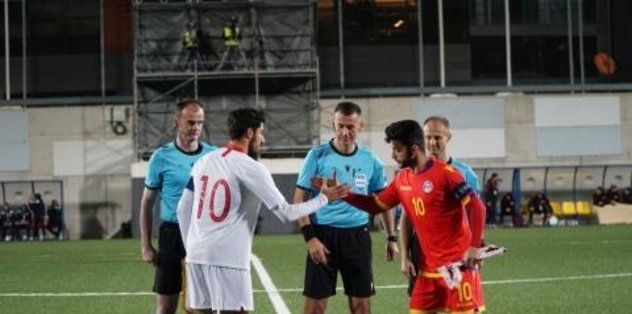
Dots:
(218, 212)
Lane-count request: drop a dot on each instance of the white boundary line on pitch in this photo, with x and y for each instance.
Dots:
(277, 291)
(75, 294)
(273, 293)
(496, 282)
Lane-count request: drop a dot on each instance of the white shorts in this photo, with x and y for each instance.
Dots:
(219, 288)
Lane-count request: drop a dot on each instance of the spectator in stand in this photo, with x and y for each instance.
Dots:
(491, 198)
(539, 204)
(54, 224)
(507, 207)
(5, 223)
(626, 198)
(613, 194)
(38, 210)
(22, 219)
(11, 228)
(600, 198)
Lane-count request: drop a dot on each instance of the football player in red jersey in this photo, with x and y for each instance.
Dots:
(434, 196)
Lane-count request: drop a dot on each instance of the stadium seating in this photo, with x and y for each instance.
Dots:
(524, 209)
(568, 209)
(556, 207)
(571, 213)
(584, 208)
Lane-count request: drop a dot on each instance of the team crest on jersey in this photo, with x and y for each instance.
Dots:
(427, 186)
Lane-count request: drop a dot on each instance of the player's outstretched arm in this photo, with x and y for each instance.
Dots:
(296, 211)
(365, 203)
(335, 191)
(259, 180)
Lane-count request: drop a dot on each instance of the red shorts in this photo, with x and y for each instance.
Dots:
(477, 283)
(432, 294)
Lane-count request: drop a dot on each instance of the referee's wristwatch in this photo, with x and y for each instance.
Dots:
(392, 238)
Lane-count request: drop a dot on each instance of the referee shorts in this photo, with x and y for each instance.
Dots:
(350, 254)
(168, 280)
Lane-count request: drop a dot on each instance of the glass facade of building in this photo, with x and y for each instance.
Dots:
(64, 50)
(552, 42)
(365, 47)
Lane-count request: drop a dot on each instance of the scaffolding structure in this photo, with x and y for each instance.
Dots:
(275, 69)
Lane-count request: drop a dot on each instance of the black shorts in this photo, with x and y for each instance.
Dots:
(168, 280)
(350, 253)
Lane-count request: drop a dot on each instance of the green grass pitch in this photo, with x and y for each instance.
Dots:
(547, 270)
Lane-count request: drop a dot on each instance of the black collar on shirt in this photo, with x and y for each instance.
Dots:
(197, 151)
(331, 143)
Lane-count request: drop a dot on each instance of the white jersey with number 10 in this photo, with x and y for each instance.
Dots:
(219, 208)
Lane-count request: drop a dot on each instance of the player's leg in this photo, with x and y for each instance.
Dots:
(236, 294)
(182, 300)
(465, 296)
(315, 306)
(429, 294)
(479, 297)
(355, 268)
(168, 280)
(359, 305)
(320, 280)
(223, 289)
(166, 303)
(198, 297)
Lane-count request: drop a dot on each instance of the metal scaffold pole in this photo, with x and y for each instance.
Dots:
(7, 54)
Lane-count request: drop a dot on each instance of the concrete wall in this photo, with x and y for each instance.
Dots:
(519, 126)
(98, 199)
